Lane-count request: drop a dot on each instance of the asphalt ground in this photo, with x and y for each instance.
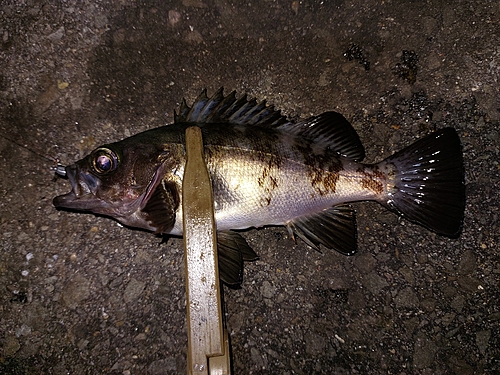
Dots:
(80, 294)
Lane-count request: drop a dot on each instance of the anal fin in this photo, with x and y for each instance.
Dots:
(334, 228)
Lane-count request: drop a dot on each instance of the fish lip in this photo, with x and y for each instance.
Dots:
(65, 200)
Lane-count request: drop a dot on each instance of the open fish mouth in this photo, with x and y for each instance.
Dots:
(82, 195)
(85, 189)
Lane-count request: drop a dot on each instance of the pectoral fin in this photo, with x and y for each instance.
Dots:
(161, 206)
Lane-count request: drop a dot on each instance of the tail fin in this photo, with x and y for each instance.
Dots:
(428, 182)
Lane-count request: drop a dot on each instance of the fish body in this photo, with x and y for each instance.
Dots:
(266, 170)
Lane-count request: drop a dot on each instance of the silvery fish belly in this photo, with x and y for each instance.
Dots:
(266, 170)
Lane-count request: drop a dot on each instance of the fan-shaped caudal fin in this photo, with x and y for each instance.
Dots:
(428, 182)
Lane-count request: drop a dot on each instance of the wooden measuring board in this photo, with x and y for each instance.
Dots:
(208, 345)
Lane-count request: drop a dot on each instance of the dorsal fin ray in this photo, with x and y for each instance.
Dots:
(227, 109)
(330, 130)
(183, 111)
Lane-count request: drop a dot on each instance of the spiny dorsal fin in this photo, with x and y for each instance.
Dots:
(331, 130)
(183, 111)
(334, 228)
(228, 109)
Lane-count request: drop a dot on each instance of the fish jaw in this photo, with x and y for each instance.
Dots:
(84, 196)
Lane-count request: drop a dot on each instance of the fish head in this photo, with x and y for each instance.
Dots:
(132, 182)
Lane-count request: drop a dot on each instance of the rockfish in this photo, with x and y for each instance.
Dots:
(267, 170)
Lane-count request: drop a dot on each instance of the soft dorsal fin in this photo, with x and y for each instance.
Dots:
(228, 109)
(334, 228)
(331, 130)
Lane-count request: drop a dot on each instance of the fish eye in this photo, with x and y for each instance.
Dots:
(104, 160)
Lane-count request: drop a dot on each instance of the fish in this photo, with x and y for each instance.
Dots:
(267, 170)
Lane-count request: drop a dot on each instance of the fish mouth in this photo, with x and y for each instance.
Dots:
(83, 193)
